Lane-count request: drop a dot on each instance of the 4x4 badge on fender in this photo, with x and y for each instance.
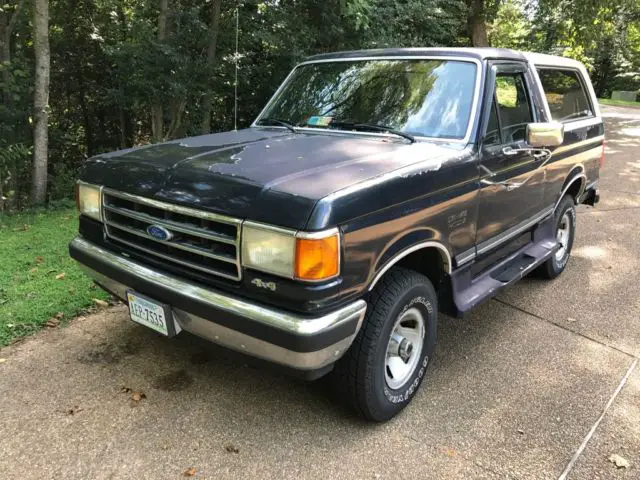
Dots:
(262, 284)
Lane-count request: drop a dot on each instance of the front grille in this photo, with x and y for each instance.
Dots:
(200, 240)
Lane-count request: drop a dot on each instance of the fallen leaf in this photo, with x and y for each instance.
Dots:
(39, 259)
(52, 323)
(73, 410)
(60, 276)
(450, 452)
(100, 303)
(33, 270)
(618, 461)
(137, 396)
(231, 448)
(189, 472)
(59, 315)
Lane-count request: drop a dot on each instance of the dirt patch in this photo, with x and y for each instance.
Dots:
(109, 353)
(200, 358)
(174, 381)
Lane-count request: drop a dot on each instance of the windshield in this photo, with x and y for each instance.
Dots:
(430, 98)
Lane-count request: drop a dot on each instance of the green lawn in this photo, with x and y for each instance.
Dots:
(38, 279)
(619, 103)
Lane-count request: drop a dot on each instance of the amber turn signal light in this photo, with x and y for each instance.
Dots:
(317, 258)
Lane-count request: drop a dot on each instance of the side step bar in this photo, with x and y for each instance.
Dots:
(467, 293)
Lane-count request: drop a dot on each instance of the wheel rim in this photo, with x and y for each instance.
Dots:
(404, 348)
(562, 236)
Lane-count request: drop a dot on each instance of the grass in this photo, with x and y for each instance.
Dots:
(619, 103)
(38, 279)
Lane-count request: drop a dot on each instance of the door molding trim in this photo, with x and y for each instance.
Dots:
(508, 234)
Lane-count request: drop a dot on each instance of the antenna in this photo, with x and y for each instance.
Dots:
(235, 106)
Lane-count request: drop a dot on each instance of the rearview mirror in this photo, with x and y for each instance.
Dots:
(545, 134)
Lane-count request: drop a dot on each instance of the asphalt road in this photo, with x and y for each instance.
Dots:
(516, 390)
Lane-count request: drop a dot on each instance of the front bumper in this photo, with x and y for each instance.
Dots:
(295, 341)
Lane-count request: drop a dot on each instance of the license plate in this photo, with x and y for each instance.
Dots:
(152, 314)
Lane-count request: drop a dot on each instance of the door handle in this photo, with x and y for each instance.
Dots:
(508, 185)
(538, 153)
(511, 151)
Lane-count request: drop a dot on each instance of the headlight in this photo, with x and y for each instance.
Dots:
(303, 256)
(89, 201)
(268, 249)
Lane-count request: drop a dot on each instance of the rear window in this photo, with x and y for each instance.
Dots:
(565, 94)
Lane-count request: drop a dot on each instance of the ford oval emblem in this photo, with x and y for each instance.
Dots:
(159, 233)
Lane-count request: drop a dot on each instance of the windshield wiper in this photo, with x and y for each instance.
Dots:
(376, 127)
(277, 121)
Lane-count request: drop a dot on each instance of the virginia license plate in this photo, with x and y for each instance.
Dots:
(150, 313)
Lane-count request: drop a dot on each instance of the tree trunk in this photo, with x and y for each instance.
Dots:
(214, 28)
(476, 23)
(157, 114)
(40, 100)
(7, 25)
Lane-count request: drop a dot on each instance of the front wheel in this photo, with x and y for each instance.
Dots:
(565, 217)
(384, 367)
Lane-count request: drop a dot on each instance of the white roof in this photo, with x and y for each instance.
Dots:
(552, 60)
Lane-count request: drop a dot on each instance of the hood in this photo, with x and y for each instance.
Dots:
(263, 174)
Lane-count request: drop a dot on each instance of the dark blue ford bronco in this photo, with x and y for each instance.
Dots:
(376, 189)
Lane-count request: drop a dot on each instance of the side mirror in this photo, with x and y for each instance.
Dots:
(548, 134)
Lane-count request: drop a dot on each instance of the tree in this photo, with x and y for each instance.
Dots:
(210, 62)
(8, 20)
(157, 112)
(477, 26)
(40, 100)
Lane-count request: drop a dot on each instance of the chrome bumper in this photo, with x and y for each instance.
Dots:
(98, 262)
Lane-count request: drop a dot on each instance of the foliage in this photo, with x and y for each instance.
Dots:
(109, 70)
(603, 34)
(618, 103)
(34, 257)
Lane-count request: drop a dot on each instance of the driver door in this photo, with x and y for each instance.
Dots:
(512, 186)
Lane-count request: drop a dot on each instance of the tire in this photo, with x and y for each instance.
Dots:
(401, 302)
(565, 221)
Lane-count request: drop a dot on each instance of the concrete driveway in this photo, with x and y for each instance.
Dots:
(540, 383)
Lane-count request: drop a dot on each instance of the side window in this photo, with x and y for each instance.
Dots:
(511, 110)
(565, 94)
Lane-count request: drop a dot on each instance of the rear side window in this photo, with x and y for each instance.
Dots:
(565, 94)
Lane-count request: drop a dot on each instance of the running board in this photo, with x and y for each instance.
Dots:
(510, 270)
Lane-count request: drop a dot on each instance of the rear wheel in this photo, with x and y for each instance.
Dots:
(565, 216)
(385, 366)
